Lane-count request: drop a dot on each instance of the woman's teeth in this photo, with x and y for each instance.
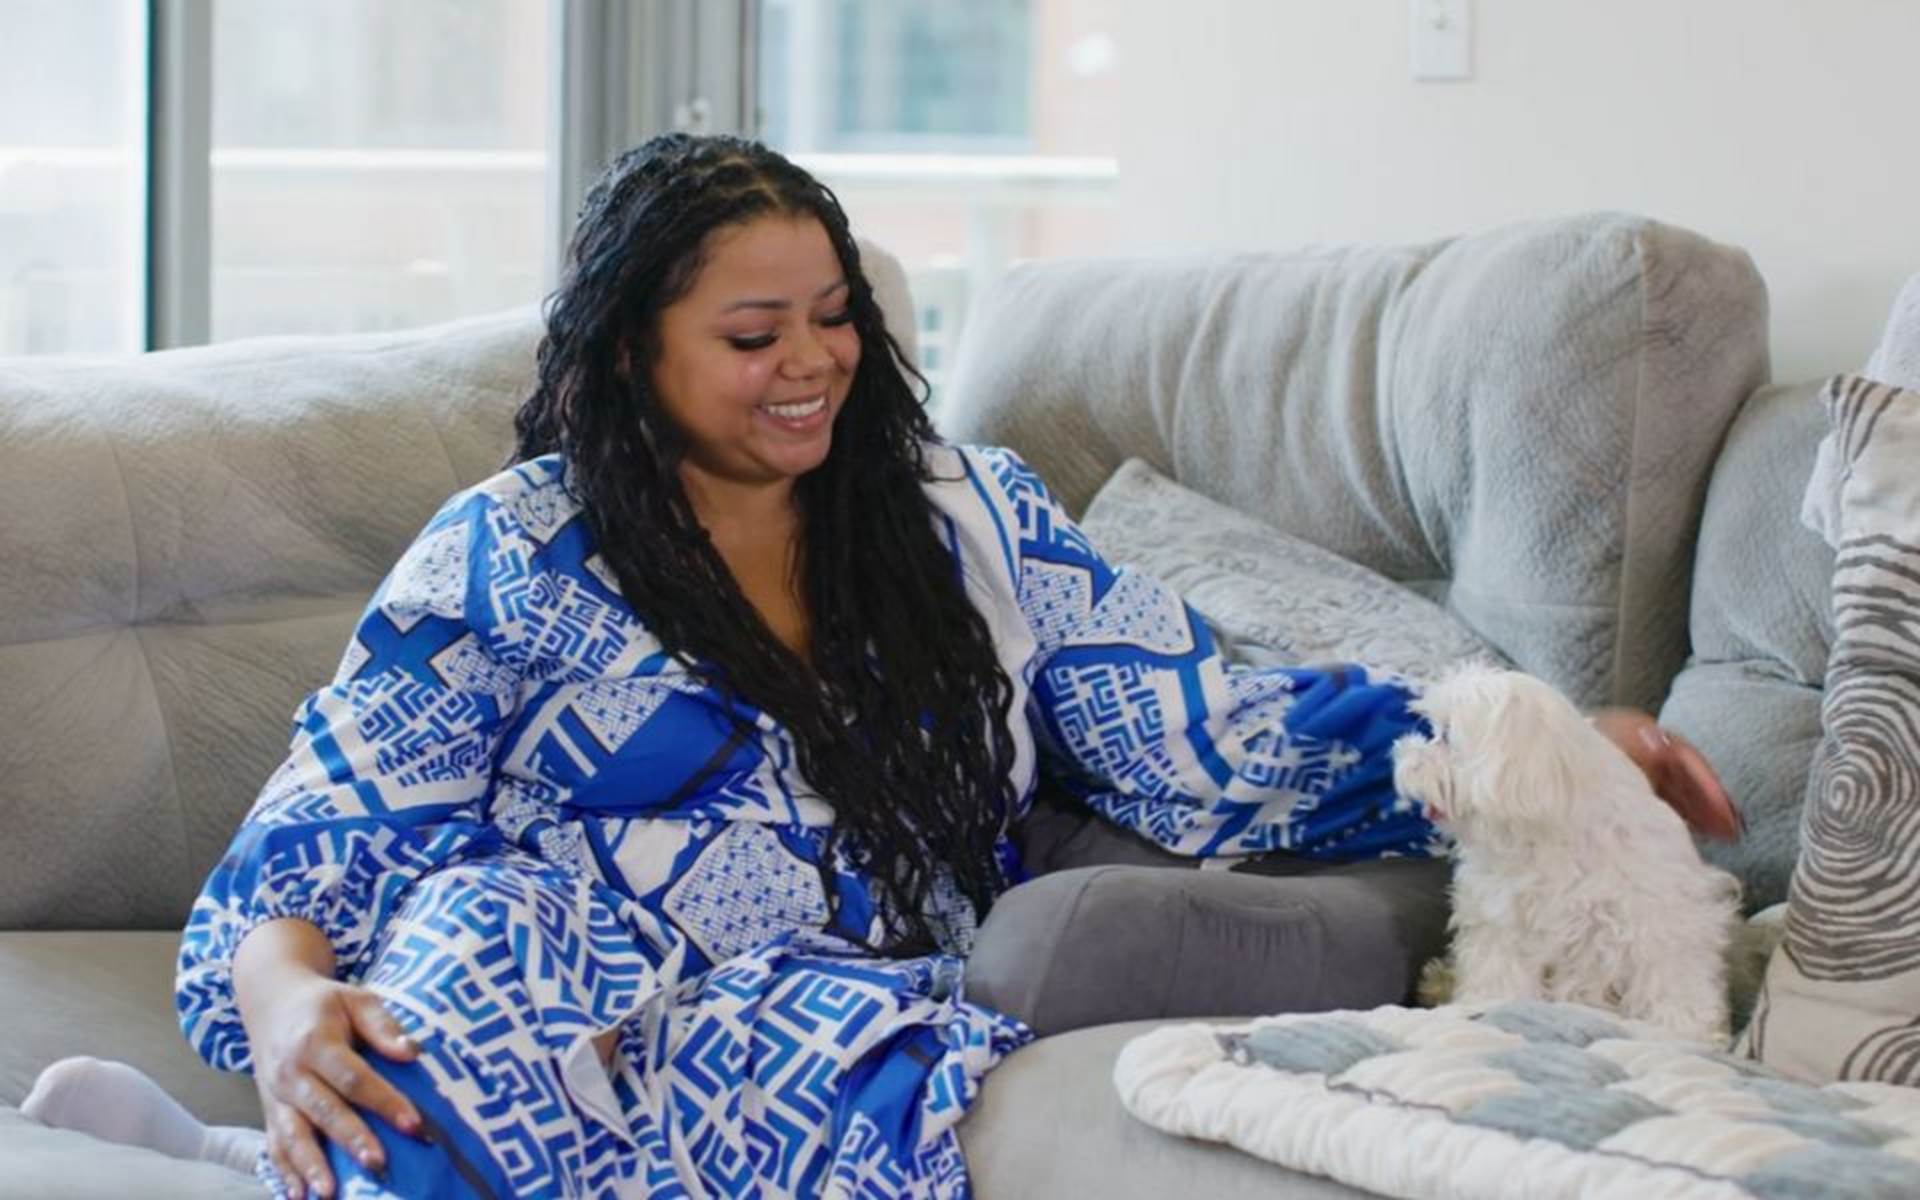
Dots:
(798, 411)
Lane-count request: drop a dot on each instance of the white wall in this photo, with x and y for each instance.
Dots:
(1788, 127)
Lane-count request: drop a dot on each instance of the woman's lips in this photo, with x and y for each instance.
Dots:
(800, 416)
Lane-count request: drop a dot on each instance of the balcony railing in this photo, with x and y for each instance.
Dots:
(343, 239)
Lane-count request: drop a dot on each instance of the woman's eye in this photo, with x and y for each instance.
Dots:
(843, 317)
(754, 342)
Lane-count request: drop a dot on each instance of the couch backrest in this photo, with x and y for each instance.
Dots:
(1520, 424)
(186, 541)
(1762, 628)
(1752, 695)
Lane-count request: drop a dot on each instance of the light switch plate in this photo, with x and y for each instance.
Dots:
(1442, 39)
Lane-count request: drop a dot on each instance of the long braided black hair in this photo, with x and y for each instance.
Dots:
(899, 719)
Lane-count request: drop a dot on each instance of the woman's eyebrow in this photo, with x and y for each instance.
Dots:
(822, 294)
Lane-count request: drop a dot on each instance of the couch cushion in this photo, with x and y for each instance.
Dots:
(1048, 1123)
(1271, 599)
(1519, 424)
(1750, 695)
(189, 537)
(1842, 995)
(110, 995)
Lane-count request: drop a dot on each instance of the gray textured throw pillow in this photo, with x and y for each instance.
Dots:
(1842, 994)
(1269, 598)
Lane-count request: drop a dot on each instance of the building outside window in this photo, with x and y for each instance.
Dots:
(851, 76)
(963, 137)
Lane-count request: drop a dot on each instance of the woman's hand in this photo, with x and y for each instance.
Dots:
(1679, 773)
(306, 1029)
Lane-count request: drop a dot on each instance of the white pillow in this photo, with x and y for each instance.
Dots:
(1895, 362)
(1897, 359)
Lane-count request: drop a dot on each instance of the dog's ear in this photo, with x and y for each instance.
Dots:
(1531, 758)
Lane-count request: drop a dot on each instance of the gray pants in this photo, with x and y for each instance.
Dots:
(1116, 929)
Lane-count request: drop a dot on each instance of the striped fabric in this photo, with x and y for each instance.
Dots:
(1842, 995)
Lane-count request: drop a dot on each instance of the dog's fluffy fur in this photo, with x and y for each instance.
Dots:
(1572, 880)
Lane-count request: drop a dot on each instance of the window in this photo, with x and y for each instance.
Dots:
(376, 165)
(72, 166)
(962, 137)
(849, 75)
(174, 171)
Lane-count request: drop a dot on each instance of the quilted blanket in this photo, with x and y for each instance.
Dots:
(1520, 1102)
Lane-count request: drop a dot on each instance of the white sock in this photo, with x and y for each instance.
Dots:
(115, 1102)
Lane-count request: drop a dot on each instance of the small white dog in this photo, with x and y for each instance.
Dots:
(1572, 880)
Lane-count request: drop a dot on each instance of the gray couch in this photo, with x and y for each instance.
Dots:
(1560, 431)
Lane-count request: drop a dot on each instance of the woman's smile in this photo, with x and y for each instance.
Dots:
(797, 416)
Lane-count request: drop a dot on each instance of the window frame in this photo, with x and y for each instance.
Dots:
(622, 71)
(179, 266)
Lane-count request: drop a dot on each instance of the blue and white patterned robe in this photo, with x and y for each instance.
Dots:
(520, 819)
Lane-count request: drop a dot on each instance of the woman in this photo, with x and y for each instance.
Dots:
(666, 777)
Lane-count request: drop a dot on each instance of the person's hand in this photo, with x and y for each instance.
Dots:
(306, 1028)
(1679, 773)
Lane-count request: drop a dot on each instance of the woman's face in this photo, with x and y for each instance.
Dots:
(756, 359)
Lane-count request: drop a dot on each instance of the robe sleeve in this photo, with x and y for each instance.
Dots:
(387, 774)
(1137, 713)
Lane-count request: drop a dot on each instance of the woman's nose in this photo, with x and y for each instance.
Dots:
(808, 357)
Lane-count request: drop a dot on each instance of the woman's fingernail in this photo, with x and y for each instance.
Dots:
(1655, 737)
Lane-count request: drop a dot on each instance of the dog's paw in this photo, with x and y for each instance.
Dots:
(1420, 772)
(1436, 983)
